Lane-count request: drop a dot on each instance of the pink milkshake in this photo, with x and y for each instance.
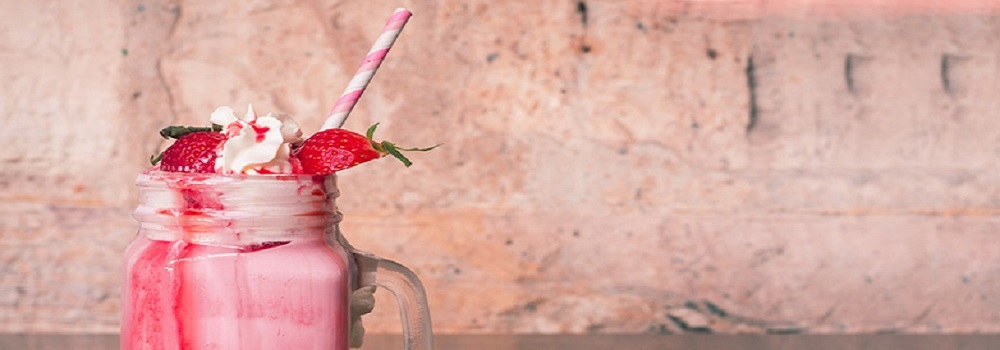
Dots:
(236, 262)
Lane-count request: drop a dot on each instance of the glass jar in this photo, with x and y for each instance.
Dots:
(252, 262)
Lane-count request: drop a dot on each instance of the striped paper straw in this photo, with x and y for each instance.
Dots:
(367, 70)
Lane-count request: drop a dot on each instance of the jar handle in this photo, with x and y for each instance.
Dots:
(412, 301)
(410, 296)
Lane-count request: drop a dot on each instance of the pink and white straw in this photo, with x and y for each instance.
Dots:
(367, 70)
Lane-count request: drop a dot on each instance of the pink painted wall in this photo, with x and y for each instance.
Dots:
(637, 166)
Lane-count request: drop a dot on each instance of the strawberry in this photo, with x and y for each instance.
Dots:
(193, 152)
(332, 150)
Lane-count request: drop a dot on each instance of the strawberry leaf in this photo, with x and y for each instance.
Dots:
(176, 132)
(156, 158)
(386, 147)
(370, 135)
(417, 149)
(391, 149)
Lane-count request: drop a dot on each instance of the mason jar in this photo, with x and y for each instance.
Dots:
(252, 262)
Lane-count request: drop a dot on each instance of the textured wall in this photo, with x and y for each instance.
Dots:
(609, 166)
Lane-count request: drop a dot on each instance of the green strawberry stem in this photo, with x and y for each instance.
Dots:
(386, 147)
(176, 132)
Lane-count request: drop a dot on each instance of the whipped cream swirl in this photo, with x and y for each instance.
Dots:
(256, 145)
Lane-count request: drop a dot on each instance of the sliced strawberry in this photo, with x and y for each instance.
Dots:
(193, 153)
(332, 150)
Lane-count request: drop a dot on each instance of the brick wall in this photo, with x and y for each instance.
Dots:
(608, 166)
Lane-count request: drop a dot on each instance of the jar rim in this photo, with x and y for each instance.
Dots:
(237, 176)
